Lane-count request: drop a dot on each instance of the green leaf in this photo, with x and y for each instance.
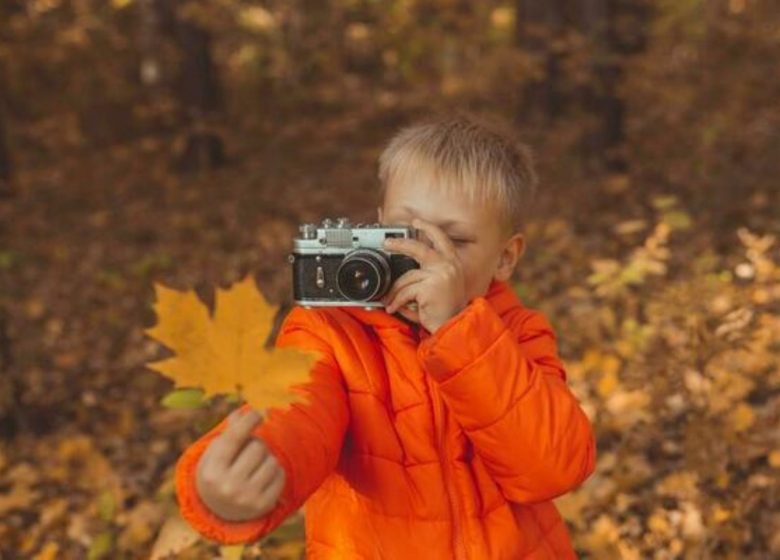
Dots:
(291, 530)
(632, 275)
(664, 202)
(150, 264)
(106, 505)
(101, 546)
(184, 399)
(7, 259)
(522, 290)
(677, 219)
(111, 279)
(233, 398)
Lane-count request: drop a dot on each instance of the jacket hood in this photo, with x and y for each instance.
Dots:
(500, 296)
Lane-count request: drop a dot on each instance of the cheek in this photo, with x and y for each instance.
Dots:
(476, 267)
(464, 250)
(470, 255)
(466, 260)
(470, 272)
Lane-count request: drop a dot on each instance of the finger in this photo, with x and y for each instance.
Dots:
(404, 296)
(395, 301)
(410, 314)
(267, 495)
(264, 474)
(276, 487)
(239, 413)
(251, 456)
(441, 241)
(418, 250)
(238, 431)
(405, 279)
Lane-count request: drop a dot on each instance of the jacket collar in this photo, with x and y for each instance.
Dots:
(500, 296)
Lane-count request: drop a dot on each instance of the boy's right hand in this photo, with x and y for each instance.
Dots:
(238, 478)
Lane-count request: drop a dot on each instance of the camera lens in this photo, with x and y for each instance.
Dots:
(363, 275)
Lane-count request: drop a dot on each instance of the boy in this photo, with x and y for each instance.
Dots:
(438, 428)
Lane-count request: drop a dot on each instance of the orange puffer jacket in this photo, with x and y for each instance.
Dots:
(420, 446)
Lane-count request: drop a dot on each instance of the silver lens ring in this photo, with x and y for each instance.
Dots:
(361, 255)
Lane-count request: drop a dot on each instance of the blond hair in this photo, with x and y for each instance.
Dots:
(470, 155)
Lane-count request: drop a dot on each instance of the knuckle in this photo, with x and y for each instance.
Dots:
(278, 486)
(263, 507)
(214, 447)
(227, 488)
(210, 477)
(264, 471)
(224, 439)
(244, 500)
(260, 450)
(251, 447)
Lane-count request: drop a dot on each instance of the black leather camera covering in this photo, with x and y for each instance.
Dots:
(304, 270)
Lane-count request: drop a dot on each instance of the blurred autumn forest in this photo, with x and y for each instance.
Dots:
(182, 142)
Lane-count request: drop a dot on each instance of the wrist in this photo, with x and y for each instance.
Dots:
(436, 325)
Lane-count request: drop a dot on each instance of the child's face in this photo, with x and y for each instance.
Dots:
(484, 250)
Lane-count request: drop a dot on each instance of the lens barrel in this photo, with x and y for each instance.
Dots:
(363, 275)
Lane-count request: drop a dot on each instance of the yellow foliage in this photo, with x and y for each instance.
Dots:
(603, 538)
(226, 354)
(719, 514)
(742, 417)
(729, 387)
(231, 552)
(49, 551)
(176, 535)
(681, 485)
(628, 407)
(257, 18)
(659, 523)
(608, 383)
(684, 378)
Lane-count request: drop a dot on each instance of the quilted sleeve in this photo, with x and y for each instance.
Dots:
(507, 388)
(305, 437)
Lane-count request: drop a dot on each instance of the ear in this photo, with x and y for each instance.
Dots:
(510, 255)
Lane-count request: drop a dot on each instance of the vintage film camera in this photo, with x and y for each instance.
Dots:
(338, 264)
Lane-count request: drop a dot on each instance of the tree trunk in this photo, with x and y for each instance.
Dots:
(5, 158)
(5, 151)
(201, 96)
(539, 25)
(613, 29)
(150, 29)
(9, 389)
(616, 29)
(198, 87)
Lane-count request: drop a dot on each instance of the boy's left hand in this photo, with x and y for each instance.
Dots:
(438, 286)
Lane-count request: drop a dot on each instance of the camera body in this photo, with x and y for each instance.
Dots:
(336, 264)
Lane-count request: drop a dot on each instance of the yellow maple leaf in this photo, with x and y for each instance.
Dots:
(226, 354)
(742, 417)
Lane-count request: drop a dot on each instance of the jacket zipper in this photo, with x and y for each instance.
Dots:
(456, 544)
